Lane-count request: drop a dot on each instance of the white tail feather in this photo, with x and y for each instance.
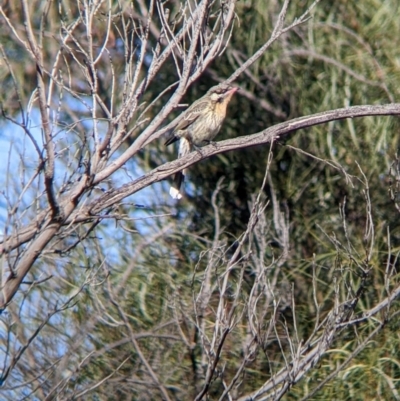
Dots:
(175, 193)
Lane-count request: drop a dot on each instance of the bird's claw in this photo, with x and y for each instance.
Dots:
(198, 150)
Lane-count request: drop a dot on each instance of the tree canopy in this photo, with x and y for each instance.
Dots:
(275, 277)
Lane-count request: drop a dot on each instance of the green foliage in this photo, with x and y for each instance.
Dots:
(148, 272)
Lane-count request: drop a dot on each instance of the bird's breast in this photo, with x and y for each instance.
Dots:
(205, 129)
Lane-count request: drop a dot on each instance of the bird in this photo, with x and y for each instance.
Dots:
(199, 125)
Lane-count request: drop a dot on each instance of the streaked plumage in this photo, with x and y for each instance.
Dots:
(199, 125)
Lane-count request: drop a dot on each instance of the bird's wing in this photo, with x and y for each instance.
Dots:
(192, 114)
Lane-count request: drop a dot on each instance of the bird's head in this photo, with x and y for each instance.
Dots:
(221, 93)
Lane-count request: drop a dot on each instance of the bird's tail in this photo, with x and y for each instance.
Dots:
(184, 149)
(174, 191)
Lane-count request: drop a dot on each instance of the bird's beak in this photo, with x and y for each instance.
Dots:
(230, 92)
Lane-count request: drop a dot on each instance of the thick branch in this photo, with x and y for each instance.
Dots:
(115, 196)
(11, 283)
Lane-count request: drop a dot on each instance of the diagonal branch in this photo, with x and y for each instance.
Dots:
(114, 196)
